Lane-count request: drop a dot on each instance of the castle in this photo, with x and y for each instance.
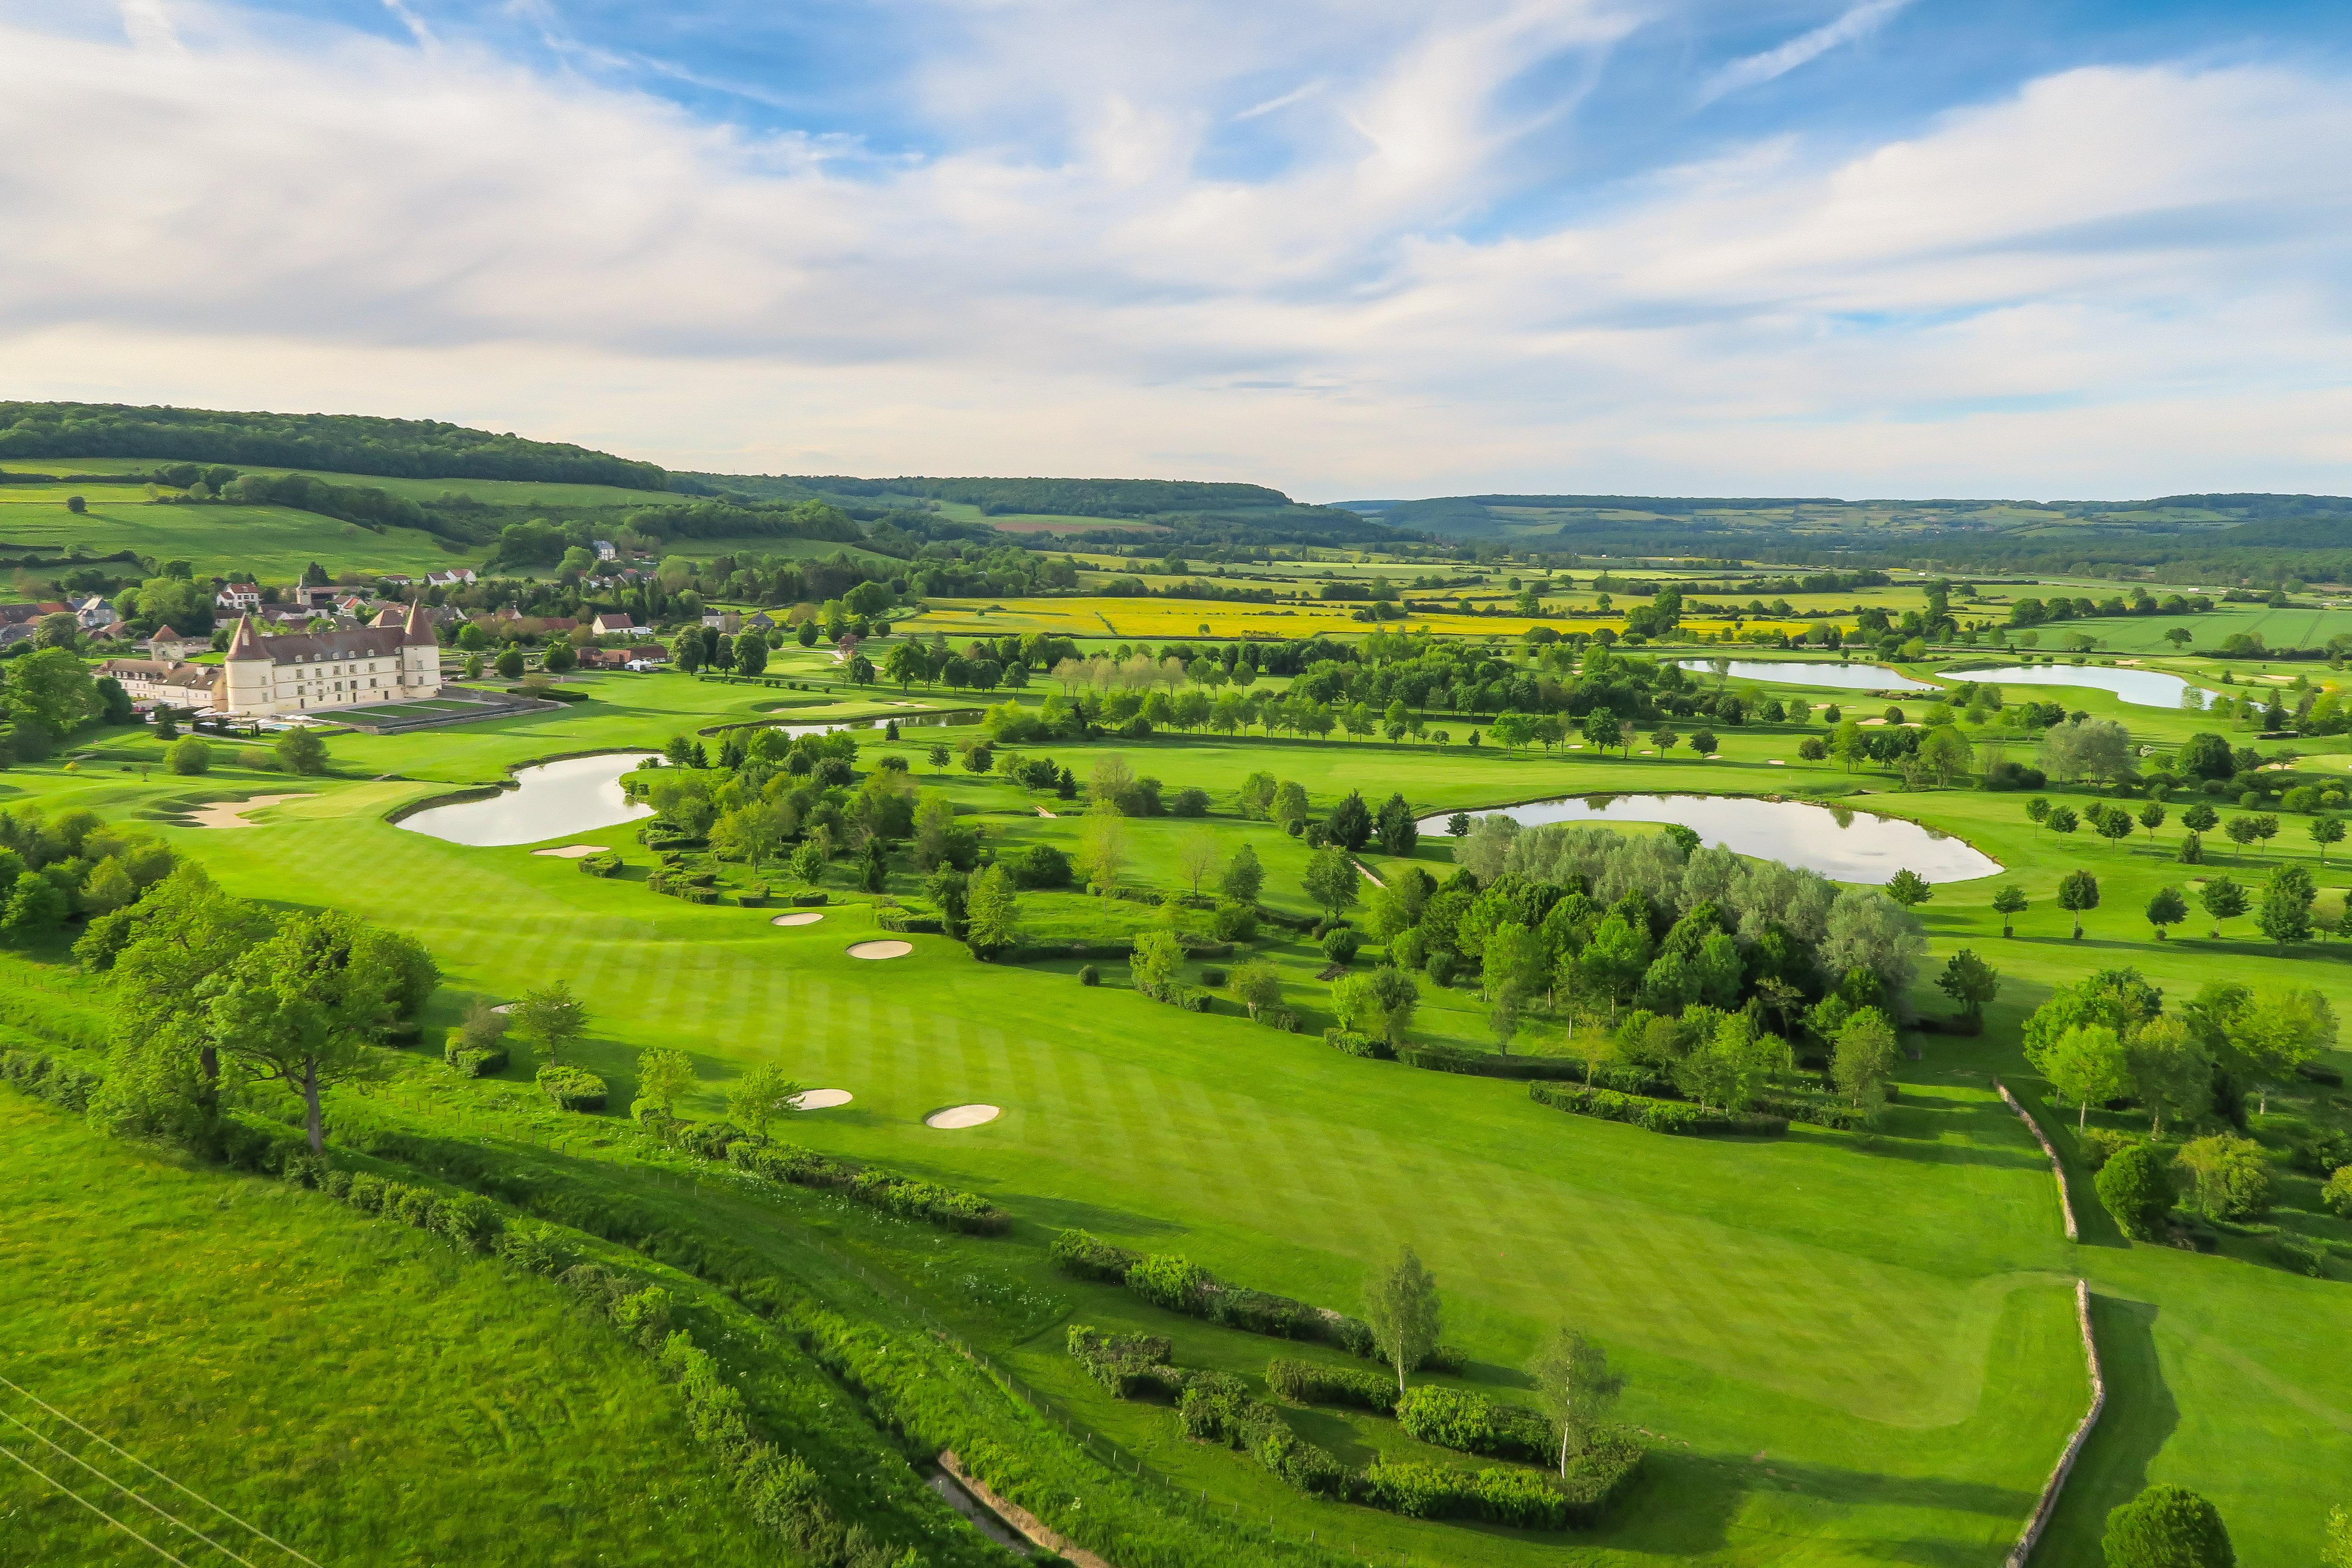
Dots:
(396, 659)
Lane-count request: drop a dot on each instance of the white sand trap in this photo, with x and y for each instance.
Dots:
(803, 918)
(880, 949)
(573, 852)
(1775, 763)
(820, 1099)
(963, 1116)
(231, 813)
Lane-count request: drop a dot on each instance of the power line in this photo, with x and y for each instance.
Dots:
(91, 1506)
(164, 1515)
(160, 1476)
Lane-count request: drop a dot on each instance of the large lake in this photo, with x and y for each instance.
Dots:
(1804, 672)
(911, 720)
(553, 800)
(2141, 688)
(1841, 843)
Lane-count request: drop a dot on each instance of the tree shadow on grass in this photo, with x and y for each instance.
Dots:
(1687, 1504)
(2138, 1420)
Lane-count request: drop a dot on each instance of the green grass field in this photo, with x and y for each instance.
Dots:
(500, 492)
(273, 542)
(1851, 1350)
(356, 1388)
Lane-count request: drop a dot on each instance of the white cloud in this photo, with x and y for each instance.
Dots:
(2119, 281)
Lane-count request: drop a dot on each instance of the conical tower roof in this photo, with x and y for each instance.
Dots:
(246, 643)
(420, 625)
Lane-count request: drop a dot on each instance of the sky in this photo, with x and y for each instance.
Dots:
(2045, 249)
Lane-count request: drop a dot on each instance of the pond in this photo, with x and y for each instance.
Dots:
(551, 801)
(2140, 688)
(1845, 845)
(1805, 672)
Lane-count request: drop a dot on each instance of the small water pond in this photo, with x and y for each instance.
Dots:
(1839, 842)
(2140, 688)
(551, 801)
(1805, 672)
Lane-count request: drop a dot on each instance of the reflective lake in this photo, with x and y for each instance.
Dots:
(553, 800)
(911, 720)
(1839, 842)
(2141, 688)
(1803, 672)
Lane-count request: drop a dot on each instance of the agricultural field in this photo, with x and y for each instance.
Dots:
(273, 542)
(497, 492)
(1842, 1346)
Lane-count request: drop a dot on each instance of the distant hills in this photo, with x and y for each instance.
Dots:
(2181, 537)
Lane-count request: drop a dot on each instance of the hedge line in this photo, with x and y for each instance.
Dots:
(1480, 1064)
(1471, 1423)
(1307, 1383)
(46, 1078)
(1671, 1116)
(907, 1196)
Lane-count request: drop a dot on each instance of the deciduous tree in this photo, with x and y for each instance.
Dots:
(1403, 1309)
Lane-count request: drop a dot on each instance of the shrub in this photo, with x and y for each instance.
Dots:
(1472, 1424)
(1442, 965)
(1089, 976)
(1262, 1313)
(944, 1206)
(1528, 1500)
(1234, 922)
(1655, 1115)
(2337, 1194)
(1039, 865)
(909, 1197)
(808, 900)
(2301, 1257)
(1091, 1258)
(474, 1061)
(572, 1089)
(1310, 1385)
(1356, 1045)
(604, 864)
(1213, 978)
(534, 1248)
(2137, 1189)
(1281, 1018)
(1341, 944)
(469, 1220)
(1127, 1364)
(1167, 1280)
(1190, 803)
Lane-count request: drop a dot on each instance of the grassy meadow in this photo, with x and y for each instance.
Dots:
(1849, 1349)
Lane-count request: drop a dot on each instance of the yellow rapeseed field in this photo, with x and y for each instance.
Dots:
(1169, 620)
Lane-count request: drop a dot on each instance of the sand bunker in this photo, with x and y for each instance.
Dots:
(573, 851)
(803, 918)
(963, 1116)
(820, 1098)
(881, 949)
(231, 813)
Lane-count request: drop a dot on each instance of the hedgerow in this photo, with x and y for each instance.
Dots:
(1471, 1423)
(907, 1196)
(1310, 1384)
(572, 1089)
(1669, 1116)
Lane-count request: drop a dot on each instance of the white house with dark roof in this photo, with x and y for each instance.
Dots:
(302, 672)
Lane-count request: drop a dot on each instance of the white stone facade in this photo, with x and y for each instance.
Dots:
(305, 672)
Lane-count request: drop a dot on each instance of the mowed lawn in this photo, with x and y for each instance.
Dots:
(355, 1388)
(1867, 1347)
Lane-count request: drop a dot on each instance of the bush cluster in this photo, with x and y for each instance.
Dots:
(906, 1196)
(572, 1089)
(1670, 1116)
(474, 1061)
(467, 1219)
(46, 1078)
(1356, 1045)
(1178, 1285)
(1528, 1500)
(1472, 1424)
(604, 864)
(1307, 1383)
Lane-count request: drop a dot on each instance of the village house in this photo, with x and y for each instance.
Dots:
(614, 624)
(238, 598)
(169, 682)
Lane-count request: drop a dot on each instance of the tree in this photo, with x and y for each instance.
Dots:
(1349, 826)
(1102, 844)
(1703, 742)
(662, 1075)
(939, 757)
(510, 662)
(1576, 1389)
(49, 692)
(2063, 819)
(2114, 826)
(301, 1006)
(1197, 857)
(2136, 1190)
(1332, 879)
(2167, 908)
(2037, 811)
(992, 912)
(2229, 1177)
(2242, 830)
(2151, 817)
(299, 751)
(1602, 731)
(751, 656)
(189, 755)
(1243, 878)
(1862, 1062)
(1157, 965)
(560, 660)
(1399, 832)
(2286, 906)
(2276, 1031)
(2078, 891)
(1256, 985)
(1909, 889)
(1290, 809)
(1403, 1312)
(762, 1095)
(1972, 983)
(550, 1021)
(2086, 1064)
(2223, 900)
(1945, 754)
(752, 832)
(2008, 900)
(2170, 1073)
(2199, 818)
(1665, 739)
